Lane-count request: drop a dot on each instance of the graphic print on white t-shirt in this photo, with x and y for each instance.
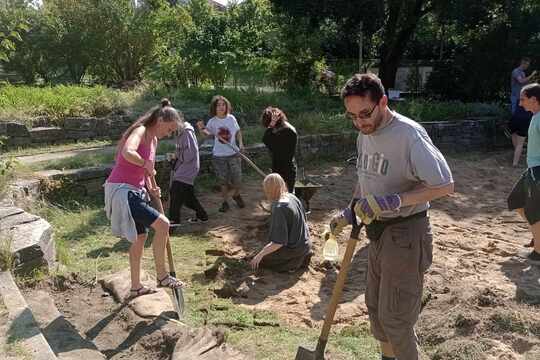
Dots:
(225, 128)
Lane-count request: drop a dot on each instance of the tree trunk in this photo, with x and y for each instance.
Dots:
(401, 22)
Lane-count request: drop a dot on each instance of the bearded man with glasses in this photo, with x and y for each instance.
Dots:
(399, 172)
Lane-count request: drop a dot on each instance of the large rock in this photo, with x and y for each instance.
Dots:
(13, 129)
(204, 344)
(151, 305)
(32, 243)
(80, 128)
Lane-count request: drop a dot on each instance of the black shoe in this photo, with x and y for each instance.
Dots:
(239, 201)
(534, 258)
(196, 220)
(174, 228)
(224, 207)
(531, 244)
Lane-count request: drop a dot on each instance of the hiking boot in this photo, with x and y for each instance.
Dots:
(534, 258)
(196, 220)
(239, 201)
(530, 244)
(224, 207)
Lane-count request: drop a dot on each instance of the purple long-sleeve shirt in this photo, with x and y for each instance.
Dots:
(187, 155)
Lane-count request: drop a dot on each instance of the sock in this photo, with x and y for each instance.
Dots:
(387, 358)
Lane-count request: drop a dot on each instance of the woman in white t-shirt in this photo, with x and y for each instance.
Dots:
(227, 143)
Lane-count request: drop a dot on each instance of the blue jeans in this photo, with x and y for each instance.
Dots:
(514, 102)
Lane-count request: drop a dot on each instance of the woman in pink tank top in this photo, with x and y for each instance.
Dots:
(132, 172)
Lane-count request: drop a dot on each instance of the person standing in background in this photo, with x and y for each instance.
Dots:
(186, 168)
(519, 79)
(225, 158)
(280, 138)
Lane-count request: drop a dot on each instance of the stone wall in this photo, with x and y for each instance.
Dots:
(72, 129)
(462, 136)
(472, 131)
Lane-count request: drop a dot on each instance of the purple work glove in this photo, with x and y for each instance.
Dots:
(371, 206)
(344, 218)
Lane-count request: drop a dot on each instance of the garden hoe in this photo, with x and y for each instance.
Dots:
(177, 293)
(318, 353)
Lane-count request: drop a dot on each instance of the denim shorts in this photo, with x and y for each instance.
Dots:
(142, 213)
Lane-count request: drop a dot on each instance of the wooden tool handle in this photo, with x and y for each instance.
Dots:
(243, 156)
(340, 282)
(159, 206)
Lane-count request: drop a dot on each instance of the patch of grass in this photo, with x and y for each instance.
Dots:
(461, 350)
(6, 257)
(97, 158)
(505, 322)
(15, 350)
(11, 169)
(42, 149)
(76, 162)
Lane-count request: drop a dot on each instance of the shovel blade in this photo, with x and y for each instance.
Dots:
(178, 295)
(304, 354)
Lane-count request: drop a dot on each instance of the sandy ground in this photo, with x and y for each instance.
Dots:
(473, 288)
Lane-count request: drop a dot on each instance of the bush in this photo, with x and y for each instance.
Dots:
(58, 102)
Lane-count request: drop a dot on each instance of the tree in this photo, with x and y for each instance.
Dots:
(124, 42)
(401, 20)
(394, 21)
(12, 25)
(68, 37)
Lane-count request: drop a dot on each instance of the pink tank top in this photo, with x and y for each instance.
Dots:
(128, 173)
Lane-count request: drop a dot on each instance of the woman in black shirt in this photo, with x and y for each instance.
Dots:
(280, 138)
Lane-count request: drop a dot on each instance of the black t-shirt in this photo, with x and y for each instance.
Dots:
(282, 146)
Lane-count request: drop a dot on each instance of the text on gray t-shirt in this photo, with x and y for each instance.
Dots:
(397, 158)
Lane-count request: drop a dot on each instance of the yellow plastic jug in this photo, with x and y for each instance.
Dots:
(331, 247)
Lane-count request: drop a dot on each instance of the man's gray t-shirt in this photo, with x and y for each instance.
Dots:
(288, 225)
(397, 158)
(515, 85)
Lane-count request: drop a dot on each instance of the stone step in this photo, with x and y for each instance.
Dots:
(30, 237)
(46, 134)
(23, 328)
(63, 338)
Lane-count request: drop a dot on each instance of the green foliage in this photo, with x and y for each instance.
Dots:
(58, 102)
(199, 45)
(481, 42)
(124, 41)
(12, 24)
(6, 257)
(68, 39)
(8, 169)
